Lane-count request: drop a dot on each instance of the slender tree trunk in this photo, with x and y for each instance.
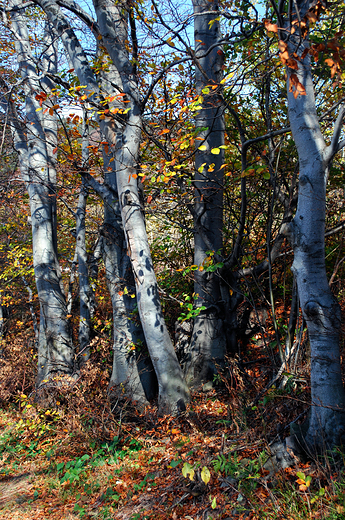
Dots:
(85, 291)
(129, 341)
(172, 389)
(326, 424)
(56, 352)
(209, 342)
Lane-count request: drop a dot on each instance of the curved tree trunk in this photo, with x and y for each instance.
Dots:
(326, 424)
(172, 389)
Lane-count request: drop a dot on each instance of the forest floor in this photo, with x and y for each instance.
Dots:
(57, 465)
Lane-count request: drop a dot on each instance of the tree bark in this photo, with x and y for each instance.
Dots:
(112, 23)
(56, 352)
(326, 424)
(172, 389)
(209, 343)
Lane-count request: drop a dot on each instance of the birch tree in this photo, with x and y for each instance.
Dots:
(209, 342)
(35, 144)
(321, 311)
(124, 142)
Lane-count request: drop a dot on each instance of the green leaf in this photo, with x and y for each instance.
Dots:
(300, 475)
(214, 503)
(266, 175)
(175, 463)
(205, 475)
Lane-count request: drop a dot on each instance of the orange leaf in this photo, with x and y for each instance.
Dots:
(282, 46)
(271, 27)
(149, 199)
(292, 64)
(284, 56)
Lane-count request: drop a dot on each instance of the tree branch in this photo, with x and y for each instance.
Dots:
(334, 147)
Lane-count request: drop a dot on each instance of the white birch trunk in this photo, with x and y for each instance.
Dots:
(326, 424)
(56, 352)
(173, 392)
(209, 342)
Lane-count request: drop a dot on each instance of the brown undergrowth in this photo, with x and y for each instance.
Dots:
(75, 456)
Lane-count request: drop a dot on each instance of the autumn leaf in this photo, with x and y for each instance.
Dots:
(205, 475)
(270, 27)
(188, 470)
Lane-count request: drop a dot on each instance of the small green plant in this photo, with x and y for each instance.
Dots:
(72, 470)
(188, 307)
(245, 471)
(144, 483)
(80, 510)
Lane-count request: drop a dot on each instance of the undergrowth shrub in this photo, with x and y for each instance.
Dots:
(18, 367)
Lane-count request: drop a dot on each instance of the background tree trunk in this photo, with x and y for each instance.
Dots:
(209, 343)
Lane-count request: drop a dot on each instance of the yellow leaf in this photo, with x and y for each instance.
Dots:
(202, 147)
(205, 475)
(224, 80)
(215, 151)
